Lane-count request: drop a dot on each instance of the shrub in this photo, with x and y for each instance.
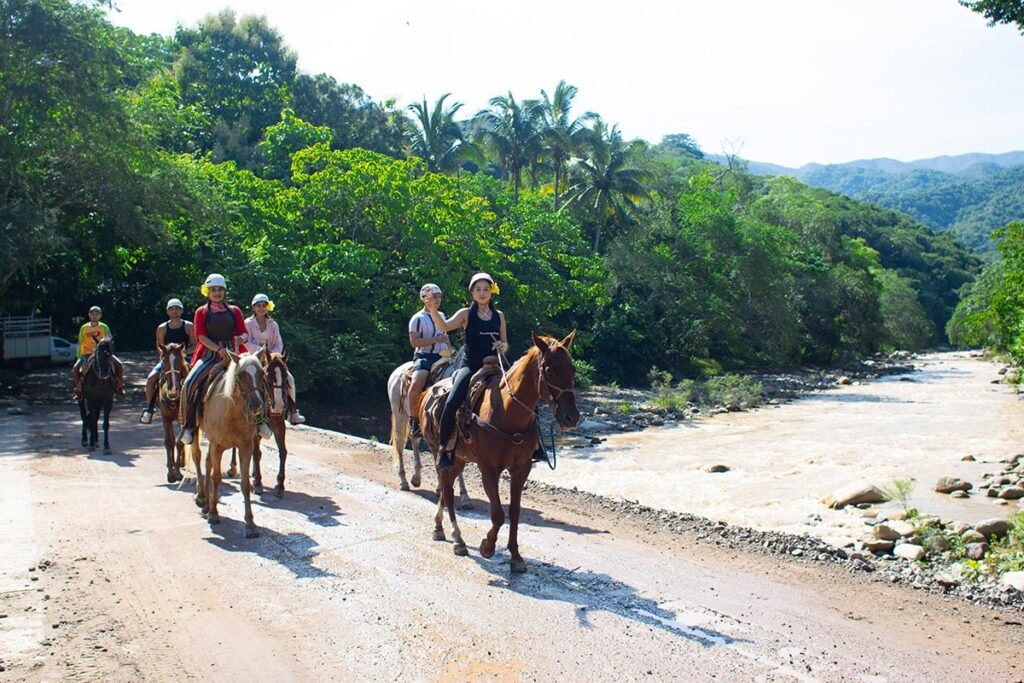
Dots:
(734, 391)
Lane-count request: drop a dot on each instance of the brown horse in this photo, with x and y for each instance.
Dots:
(169, 387)
(232, 406)
(276, 370)
(504, 434)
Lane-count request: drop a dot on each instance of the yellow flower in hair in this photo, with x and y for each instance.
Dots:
(270, 306)
(495, 289)
(204, 290)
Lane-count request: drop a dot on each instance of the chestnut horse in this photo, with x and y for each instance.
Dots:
(98, 386)
(169, 388)
(232, 406)
(504, 434)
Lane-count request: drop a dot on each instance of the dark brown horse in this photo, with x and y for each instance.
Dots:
(277, 407)
(98, 386)
(504, 434)
(169, 388)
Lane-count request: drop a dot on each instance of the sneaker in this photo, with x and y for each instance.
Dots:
(186, 436)
(265, 431)
(146, 417)
(296, 418)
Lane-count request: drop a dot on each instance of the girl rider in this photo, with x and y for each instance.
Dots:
(264, 333)
(174, 331)
(218, 325)
(485, 336)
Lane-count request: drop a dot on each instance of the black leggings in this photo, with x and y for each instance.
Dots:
(460, 385)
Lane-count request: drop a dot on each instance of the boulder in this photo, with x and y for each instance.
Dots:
(968, 458)
(1012, 493)
(950, 484)
(937, 544)
(1014, 579)
(958, 528)
(975, 551)
(992, 527)
(959, 494)
(851, 494)
(972, 536)
(593, 426)
(892, 530)
(716, 469)
(908, 551)
(879, 547)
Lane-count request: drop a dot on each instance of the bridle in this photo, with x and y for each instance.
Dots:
(271, 382)
(103, 363)
(247, 393)
(169, 376)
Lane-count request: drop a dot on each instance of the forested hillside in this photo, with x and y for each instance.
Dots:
(131, 166)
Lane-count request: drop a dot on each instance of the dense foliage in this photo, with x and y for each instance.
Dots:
(132, 166)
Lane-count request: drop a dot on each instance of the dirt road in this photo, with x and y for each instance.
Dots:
(109, 574)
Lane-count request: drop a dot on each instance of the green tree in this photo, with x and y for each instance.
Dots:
(512, 131)
(561, 133)
(354, 118)
(998, 11)
(434, 136)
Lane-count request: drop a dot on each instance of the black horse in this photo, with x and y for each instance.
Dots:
(98, 386)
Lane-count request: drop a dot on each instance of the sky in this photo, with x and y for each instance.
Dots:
(787, 82)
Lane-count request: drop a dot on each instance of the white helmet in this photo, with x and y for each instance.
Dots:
(428, 289)
(216, 280)
(260, 298)
(172, 303)
(480, 276)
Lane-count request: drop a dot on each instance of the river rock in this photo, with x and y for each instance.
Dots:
(958, 528)
(950, 484)
(716, 469)
(593, 426)
(908, 551)
(975, 551)
(968, 458)
(879, 547)
(843, 381)
(972, 536)
(991, 493)
(1014, 579)
(959, 494)
(851, 494)
(1012, 493)
(937, 544)
(892, 530)
(992, 527)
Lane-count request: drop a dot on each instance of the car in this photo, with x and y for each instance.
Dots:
(62, 351)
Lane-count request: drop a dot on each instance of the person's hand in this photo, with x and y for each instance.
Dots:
(441, 339)
(223, 353)
(430, 303)
(499, 346)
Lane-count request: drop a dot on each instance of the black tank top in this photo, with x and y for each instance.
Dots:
(220, 325)
(177, 335)
(480, 337)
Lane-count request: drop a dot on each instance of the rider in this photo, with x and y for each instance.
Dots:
(174, 331)
(429, 342)
(218, 325)
(485, 336)
(264, 332)
(89, 336)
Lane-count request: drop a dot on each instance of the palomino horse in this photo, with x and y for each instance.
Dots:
(400, 413)
(98, 387)
(504, 434)
(169, 388)
(233, 403)
(276, 370)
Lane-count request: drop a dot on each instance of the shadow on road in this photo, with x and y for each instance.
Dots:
(319, 510)
(593, 592)
(294, 551)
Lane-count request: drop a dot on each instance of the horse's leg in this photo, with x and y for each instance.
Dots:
(489, 476)
(169, 449)
(257, 457)
(464, 502)
(107, 405)
(519, 475)
(233, 470)
(94, 431)
(439, 519)
(250, 527)
(85, 423)
(197, 463)
(399, 436)
(213, 456)
(282, 452)
(449, 495)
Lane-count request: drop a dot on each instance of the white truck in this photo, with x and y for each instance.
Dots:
(28, 342)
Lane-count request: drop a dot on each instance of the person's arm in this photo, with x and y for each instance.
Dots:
(81, 341)
(107, 334)
(160, 332)
(275, 343)
(502, 344)
(456, 322)
(190, 330)
(418, 341)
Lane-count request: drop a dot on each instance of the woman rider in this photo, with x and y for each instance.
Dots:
(264, 332)
(485, 336)
(174, 331)
(217, 326)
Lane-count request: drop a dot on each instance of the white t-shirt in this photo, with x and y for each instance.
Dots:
(424, 324)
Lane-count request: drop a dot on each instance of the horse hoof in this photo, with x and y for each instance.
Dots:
(172, 476)
(279, 491)
(93, 447)
(461, 550)
(403, 486)
(252, 532)
(258, 488)
(232, 474)
(518, 566)
(416, 480)
(439, 535)
(487, 549)
(85, 443)
(213, 518)
(107, 451)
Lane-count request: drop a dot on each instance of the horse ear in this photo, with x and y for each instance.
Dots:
(161, 347)
(263, 355)
(538, 342)
(284, 355)
(232, 356)
(567, 342)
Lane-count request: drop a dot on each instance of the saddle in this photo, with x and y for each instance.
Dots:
(485, 377)
(437, 371)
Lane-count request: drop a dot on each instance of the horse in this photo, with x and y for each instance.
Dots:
(169, 388)
(233, 403)
(400, 413)
(98, 386)
(276, 370)
(503, 436)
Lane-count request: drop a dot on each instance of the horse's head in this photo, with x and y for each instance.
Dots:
(103, 364)
(557, 378)
(246, 372)
(277, 381)
(172, 360)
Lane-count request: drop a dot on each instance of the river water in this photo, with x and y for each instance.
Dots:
(784, 459)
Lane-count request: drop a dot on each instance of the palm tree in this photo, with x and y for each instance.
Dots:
(435, 136)
(561, 133)
(604, 180)
(512, 131)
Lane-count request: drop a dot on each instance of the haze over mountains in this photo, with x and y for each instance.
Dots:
(969, 195)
